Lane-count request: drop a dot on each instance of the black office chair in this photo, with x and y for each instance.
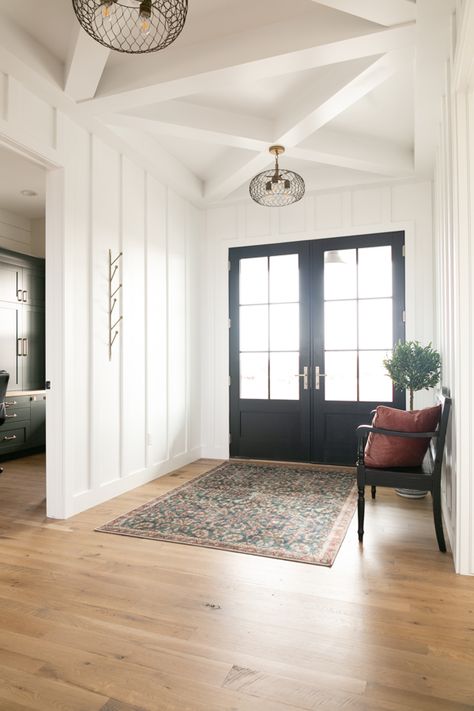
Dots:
(4, 378)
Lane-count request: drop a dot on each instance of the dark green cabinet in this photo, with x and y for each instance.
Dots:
(22, 351)
(32, 348)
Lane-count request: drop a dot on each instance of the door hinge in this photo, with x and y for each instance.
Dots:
(229, 265)
(404, 316)
(230, 323)
(230, 439)
(403, 250)
(230, 381)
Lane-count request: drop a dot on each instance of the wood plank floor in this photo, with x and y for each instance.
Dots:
(95, 622)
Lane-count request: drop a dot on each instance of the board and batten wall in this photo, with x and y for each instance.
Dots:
(454, 275)
(335, 213)
(111, 425)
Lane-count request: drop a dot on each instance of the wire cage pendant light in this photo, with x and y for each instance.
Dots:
(132, 26)
(277, 187)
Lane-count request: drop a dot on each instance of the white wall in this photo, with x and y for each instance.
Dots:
(454, 217)
(319, 215)
(111, 425)
(19, 234)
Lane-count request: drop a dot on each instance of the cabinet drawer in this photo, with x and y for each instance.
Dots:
(16, 414)
(13, 438)
(18, 401)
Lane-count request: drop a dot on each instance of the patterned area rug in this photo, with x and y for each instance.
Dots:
(298, 513)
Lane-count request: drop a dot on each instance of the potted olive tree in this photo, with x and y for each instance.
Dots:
(413, 367)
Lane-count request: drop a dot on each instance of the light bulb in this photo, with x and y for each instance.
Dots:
(144, 17)
(145, 24)
(107, 11)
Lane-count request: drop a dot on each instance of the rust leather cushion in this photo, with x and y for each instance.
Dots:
(382, 451)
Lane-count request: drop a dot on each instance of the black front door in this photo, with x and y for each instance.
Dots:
(310, 323)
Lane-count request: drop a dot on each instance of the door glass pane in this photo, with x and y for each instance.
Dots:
(284, 278)
(341, 375)
(284, 327)
(284, 381)
(254, 376)
(253, 286)
(375, 323)
(340, 274)
(254, 328)
(374, 383)
(375, 272)
(340, 325)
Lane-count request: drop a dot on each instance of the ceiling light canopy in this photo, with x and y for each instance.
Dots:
(132, 26)
(276, 188)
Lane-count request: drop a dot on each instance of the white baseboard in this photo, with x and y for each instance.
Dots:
(215, 452)
(87, 499)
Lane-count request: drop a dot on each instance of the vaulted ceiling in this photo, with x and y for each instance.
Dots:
(349, 87)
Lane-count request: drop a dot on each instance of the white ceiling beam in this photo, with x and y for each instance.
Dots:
(310, 121)
(357, 152)
(382, 12)
(187, 129)
(190, 82)
(85, 65)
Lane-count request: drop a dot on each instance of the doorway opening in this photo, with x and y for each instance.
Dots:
(310, 325)
(22, 330)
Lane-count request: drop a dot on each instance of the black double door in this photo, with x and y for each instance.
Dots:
(310, 325)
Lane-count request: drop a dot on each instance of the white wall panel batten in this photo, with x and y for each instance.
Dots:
(77, 285)
(194, 235)
(157, 323)
(177, 370)
(106, 234)
(132, 340)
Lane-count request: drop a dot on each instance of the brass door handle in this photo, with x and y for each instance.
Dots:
(6, 439)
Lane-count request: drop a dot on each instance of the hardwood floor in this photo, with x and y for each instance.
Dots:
(91, 622)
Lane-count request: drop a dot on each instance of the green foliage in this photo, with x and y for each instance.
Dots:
(414, 367)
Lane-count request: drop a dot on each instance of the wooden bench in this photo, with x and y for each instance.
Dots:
(427, 477)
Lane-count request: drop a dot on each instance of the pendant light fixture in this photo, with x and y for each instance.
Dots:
(276, 188)
(132, 26)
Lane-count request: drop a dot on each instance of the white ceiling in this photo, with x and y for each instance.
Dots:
(18, 173)
(334, 80)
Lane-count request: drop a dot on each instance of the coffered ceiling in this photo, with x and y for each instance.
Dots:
(349, 87)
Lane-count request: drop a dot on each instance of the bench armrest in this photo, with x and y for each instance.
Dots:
(364, 430)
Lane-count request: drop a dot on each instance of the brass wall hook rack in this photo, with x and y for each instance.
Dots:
(113, 300)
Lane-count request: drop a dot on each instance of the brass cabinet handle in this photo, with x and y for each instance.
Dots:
(6, 439)
(11, 403)
(25, 346)
(19, 295)
(14, 415)
(25, 295)
(19, 346)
